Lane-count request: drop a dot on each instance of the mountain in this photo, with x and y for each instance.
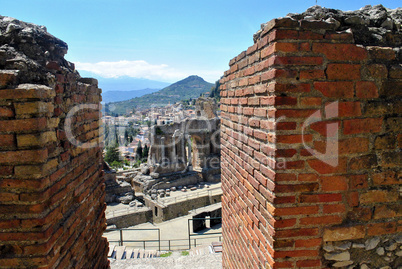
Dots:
(191, 87)
(124, 83)
(116, 96)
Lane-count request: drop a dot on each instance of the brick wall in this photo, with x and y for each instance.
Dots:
(299, 87)
(51, 191)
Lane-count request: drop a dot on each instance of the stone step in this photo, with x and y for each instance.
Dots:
(111, 250)
(216, 247)
(120, 252)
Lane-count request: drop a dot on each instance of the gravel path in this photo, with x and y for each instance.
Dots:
(176, 261)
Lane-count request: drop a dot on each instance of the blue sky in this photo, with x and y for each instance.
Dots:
(159, 39)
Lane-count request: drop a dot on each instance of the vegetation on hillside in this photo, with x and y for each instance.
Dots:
(215, 91)
(191, 87)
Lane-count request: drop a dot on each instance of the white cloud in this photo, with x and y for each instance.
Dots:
(143, 69)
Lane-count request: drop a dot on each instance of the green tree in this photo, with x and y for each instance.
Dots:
(126, 137)
(138, 153)
(145, 153)
(112, 154)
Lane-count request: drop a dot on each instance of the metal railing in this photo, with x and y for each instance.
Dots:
(189, 196)
(121, 240)
(198, 234)
(157, 243)
(125, 211)
(168, 245)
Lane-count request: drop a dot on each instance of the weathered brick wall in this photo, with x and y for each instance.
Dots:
(51, 191)
(282, 205)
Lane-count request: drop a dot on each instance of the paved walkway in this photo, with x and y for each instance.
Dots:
(175, 229)
(176, 261)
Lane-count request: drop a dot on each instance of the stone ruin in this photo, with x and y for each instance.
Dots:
(206, 107)
(184, 153)
(182, 156)
(118, 189)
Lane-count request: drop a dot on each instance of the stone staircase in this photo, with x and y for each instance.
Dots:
(123, 253)
(215, 247)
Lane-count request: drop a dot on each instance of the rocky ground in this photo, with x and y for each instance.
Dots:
(176, 261)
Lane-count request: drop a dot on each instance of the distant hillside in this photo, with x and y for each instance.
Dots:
(191, 87)
(124, 83)
(117, 96)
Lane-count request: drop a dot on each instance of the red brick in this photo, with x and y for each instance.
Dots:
(308, 263)
(305, 46)
(334, 183)
(275, 47)
(296, 188)
(309, 35)
(345, 146)
(308, 243)
(278, 34)
(294, 139)
(285, 101)
(320, 198)
(340, 52)
(6, 170)
(353, 198)
(253, 101)
(358, 182)
(282, 264)
(285, 223)
(253, 122)
(6, 112)
(251, 49)
(326, 128)
(327, 167)
(337, 208)
(343, 71)
(341, 89)
(294, 60)
(367, 125)
(285, 177)
(381, 228)
(294, 113)
(278, 73)
(294, 211)
(23, 156)
(286, 125)
(34, 124)
(312, 74)
(289, 88)
(7, 141)
(308, 177)
(349, 109)
(310, 101)
(254, 80)
(334, 219)
(298, 232)
(366, 89)
(296, 253)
